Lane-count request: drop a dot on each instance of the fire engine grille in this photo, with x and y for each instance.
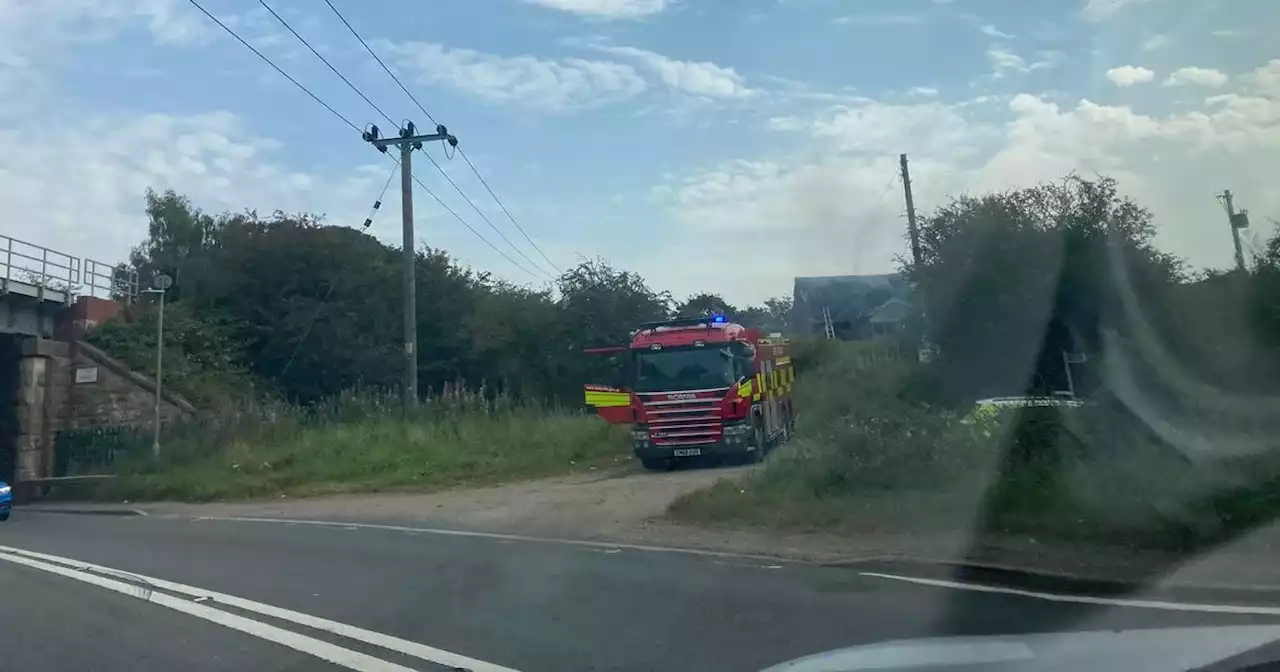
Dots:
(674, 422)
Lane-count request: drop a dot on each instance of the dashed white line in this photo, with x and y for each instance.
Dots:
(1084, 599)
(69, 567)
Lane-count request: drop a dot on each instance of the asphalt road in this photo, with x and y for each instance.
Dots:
(515, 603)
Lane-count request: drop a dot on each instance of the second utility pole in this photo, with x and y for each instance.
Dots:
(1237, 221)
(408, 141)
(911, 210)
(925, 350)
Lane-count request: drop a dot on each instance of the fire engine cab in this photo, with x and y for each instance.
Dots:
(700, 387)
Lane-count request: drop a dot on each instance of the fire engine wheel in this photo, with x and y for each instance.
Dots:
(657, 464)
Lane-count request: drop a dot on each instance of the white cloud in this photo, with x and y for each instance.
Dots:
(606, 9)
(877, 128)
(699, 78)
(836, 209)
(880, 19)
(923, 91)
(1101, 10)
(50, 25)
(787, 124)
(1156, 42)
(1128, 75)
(992, 31)
(212, 158)
(1267, 79)
(552, 85)
(1005, 61)
(1197, 76)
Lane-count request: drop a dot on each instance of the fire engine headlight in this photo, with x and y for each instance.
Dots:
(737, 430)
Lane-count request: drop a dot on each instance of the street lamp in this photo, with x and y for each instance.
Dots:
(159, 284)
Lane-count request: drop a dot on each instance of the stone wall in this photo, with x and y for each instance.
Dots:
(104, 392)
(69, 385)
(43, 369)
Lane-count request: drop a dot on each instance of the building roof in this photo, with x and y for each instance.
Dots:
(849, 298)
(892, 311)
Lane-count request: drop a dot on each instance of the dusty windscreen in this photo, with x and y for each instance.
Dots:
(358, 333)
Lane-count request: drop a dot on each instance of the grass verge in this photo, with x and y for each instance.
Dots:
(869, 457)
(357, 446)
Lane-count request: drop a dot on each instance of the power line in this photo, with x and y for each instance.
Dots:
(360, 93)
(333, 281)
(324, 60)
(284, 74)
(470, 228)
(379, 60)
(485, 217)
(393, 77)
(347, 121)
(505, 210)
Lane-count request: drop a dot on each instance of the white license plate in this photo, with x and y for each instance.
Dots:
(686, 452)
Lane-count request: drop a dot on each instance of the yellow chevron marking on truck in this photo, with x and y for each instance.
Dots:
(607, 399)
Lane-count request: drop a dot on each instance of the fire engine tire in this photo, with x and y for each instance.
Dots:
(657, 464)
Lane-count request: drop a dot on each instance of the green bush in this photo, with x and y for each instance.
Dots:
(201, 360)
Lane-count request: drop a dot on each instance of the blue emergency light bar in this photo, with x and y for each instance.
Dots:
(686, 322)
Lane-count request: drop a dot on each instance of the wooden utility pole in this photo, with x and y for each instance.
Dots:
(926, 349)
(1237, 221)
(408, 141)
(911, 210)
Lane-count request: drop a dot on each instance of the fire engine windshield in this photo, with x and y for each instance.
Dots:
(690, 368)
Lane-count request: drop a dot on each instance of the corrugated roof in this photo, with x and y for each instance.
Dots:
(850, 298)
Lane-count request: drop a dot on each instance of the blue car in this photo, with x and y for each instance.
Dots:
(6, 501)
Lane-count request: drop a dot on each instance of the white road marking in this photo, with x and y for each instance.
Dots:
(1083, 599)
(337, 655)
(504, 537)
(744, 564)
(404, 646)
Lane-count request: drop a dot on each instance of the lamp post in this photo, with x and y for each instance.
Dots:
(160, 283)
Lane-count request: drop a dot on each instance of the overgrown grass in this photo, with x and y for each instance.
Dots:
(868, 458)
(361, 443)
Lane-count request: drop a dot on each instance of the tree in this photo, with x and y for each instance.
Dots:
(1012, 280)
(704, 304)
(600, 306)
(309, 310)
(779, 309)
(178, 237)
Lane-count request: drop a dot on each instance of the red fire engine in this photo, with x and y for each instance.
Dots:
(700, 387)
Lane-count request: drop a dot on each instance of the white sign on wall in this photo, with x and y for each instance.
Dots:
(87, 374)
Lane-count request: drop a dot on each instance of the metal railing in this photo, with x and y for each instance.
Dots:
(110, 281)
(50, 275)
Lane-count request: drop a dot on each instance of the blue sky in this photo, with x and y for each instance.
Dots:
(688, 140)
